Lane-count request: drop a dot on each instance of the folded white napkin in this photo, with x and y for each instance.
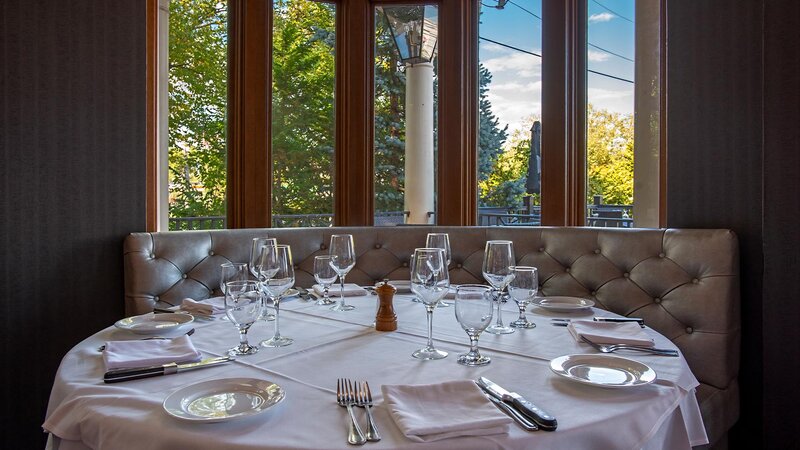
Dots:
(208, 307)
(431, 412)
(609, 332)
(350, 290)
(149, 352)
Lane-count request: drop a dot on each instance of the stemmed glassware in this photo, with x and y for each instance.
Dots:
(474, 313)
(498, 259)
(522, 289)
(430, 280)
(232, 271)
(325, 276)
(257, 268)
(343, 259)
(277, 259)
(440, 240)
(243, 303)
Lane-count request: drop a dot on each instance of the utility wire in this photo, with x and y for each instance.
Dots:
(590, 44)
(610, 52)
(612, 11)
(539, 56)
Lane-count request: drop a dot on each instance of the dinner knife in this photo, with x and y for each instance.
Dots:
(135, 373)
(521, 419)
(544, 420)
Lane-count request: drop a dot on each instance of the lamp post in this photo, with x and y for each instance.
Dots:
(414, 32)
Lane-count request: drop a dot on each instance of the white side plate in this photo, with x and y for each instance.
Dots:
(563, 304)
(155, 323)
(222, 400)
(603, 370)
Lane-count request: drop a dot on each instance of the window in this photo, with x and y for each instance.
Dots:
(296, 113)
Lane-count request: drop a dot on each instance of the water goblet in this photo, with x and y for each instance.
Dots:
(278, 260)
(243, 303)
(498, 258)
(232, 271)
(255, 254)
(522, 289)
(325, 276)
(440, 240)
(343, 260)
(430, 281)
(474, 313)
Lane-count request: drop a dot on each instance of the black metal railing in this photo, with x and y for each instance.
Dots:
(597, 216)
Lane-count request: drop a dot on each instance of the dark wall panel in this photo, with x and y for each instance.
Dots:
(72, 137)
(714, 146)
(781, 221)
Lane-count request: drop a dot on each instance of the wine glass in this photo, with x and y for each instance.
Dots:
(243, 303)
(232, 271)
(440, 240)
(325, 276)
(474, 313)
(255, 255)
(430, 281)
(498, 258)
(522, 289)
(343, 259)
(277, 259)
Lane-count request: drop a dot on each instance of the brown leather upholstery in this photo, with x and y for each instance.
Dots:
(684, 283)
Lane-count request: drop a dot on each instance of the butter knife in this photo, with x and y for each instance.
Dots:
(544, 420)
(135, 373)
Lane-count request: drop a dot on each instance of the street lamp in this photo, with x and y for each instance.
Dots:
(414, 32)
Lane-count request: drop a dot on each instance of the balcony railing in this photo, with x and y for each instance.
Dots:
(618, 216)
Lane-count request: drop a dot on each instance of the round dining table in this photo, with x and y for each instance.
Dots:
(84, 412)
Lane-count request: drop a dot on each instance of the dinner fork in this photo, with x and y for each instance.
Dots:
(365, 401)
(345, 397)
(614, 347)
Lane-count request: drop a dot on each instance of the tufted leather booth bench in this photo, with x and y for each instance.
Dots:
(684, 283)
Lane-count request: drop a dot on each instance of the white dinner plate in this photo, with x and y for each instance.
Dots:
(603, 370)
(222, 400)
(155, 323)
(402, 286)
(563, 304)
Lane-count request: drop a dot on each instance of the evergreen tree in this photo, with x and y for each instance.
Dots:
(491, 137)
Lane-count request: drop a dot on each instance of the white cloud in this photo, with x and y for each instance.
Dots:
(597, 56)
(602, 17)
(521, 64)
(614, 100)
(492, 47)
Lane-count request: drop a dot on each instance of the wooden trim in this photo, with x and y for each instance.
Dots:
(249, 104)
(663, 153)
(576, 118)
(151, 120)
(457, 184)
(353, 184)
(554, 111)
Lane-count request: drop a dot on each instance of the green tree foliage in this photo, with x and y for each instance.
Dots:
(609, 156)
(303, 71)
(197, 107)
(504, 186)
(491, 137)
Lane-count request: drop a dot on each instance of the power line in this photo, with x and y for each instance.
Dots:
(527, 11)
(610, 76)
(610, 52)
(612, 11)
(590, 44)
(539, 56)
(509, 46)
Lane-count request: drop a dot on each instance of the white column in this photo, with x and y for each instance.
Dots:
(419, 183)
(162, 183)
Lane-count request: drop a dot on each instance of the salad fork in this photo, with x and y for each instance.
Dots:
(345, 397)
(365, 401)
(614, 347)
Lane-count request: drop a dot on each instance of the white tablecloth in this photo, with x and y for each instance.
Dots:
(86, 413)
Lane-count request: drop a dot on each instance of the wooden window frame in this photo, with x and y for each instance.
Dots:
(250, 101)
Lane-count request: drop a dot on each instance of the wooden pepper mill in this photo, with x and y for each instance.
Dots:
(386, 319)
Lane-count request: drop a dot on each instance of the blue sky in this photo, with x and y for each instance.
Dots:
(515, 91)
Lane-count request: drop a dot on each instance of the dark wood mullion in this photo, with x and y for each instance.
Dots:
(576, 117)
(353, 182)
(151, 158)
(249, 104)
(457, 186)
(662, 126)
